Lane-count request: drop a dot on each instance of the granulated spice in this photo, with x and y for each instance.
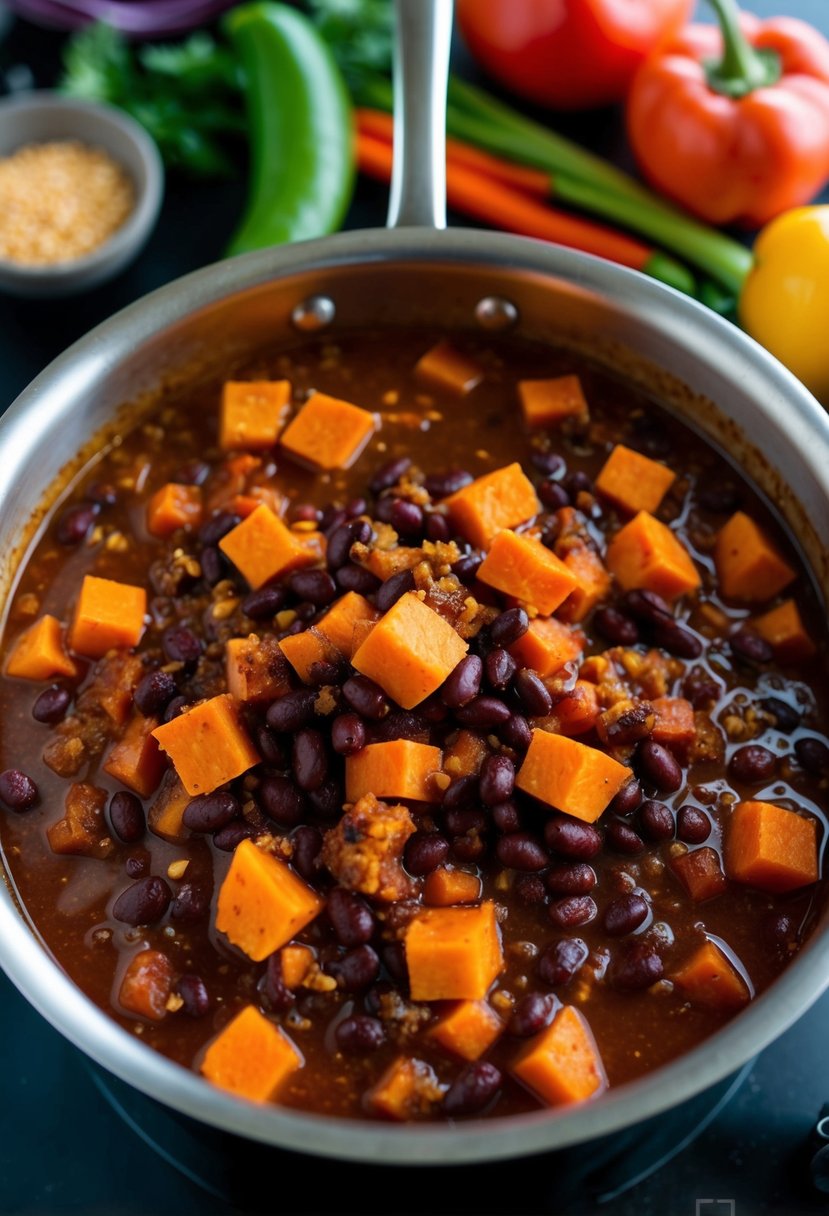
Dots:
(59, 201)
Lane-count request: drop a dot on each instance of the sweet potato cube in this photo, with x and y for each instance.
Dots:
(108, 615)
(550, 402)
(263, 548)
(136, 760)
(296, 962)
(524, 568)
(328, 433)
(113, 684)
(633, 482)
(464, 756)
(408, 1089)
(207, 744)
(675, 724)
(468, 1029)
(253, 413)
(501, 499)
(397, 769)
(146, 985)
(244, 505)
(785, 632)
(645, 553)
(562, 1064)
(83, 830)
(710, 979)
(339, 621)
(262, 903)
(172, 507)
(453, 953)
(410, 651)
(570, 776)
(446, 368)
(38, 653)
(575, 714)
(547, 645)
(700, 873)
(251, 1057)
(255, 669)
(446, 886)
(166, 814)
(593, 583)
(303, 650)
(771, 848)
(749, 566)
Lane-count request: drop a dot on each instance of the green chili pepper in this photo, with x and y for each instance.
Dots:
(300, 124)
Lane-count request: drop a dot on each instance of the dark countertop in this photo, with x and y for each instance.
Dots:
(64, 1151)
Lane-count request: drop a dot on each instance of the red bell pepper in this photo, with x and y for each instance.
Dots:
(734, 123)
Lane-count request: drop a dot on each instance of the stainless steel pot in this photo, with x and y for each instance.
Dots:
(709, 372)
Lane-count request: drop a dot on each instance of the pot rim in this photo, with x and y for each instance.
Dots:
(65, 1006)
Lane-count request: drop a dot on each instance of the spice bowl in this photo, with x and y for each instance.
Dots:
(112, 142)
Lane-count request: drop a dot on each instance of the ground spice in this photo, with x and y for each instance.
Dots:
(59, 201)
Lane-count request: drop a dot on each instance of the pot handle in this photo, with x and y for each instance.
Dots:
(421, 67)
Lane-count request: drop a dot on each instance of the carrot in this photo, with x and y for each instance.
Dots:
(251, 1057)
(570, 776)
(262, 903)
(468, 1029)
(328, 433)
(520, 566)
(501, 499)
(397, 769)
(207, 744)
(146, 986)
(453, 953)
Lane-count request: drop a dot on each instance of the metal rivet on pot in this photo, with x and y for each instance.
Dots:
(314, 313)
(494, 312)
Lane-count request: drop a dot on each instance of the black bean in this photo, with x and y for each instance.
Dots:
(812, 754)
(348, 734)
(508, 627)
(400, 724)
(483, 712)
(628, 798)
(190, 905)
(677, 640)
(357, 578)
(549, 463)
(506, 816)
(351, 918)
(424, 852)
(571, 911)
(331, 517)
(437, 527)
(656, 820)
(496, 780)
(561, 960)
(647, 606)
(475, 1086)
(780, 931)
(305, 512)
(126, 814)
(383, 509)
(749, 646)
(154, 692)
(280, 799)
(102, 493)
(356, 970)
(328, 799)
(181, 645)
(570, 878)
(51, 705)
(391, 590)
(355, 507)
(143, 903)
(470, 848)
(217, 526)
(621, 837)
(636, 968)
(194, 473)
(273, 750)
(529, 888)
(500, 667)
(620, 630)
(441, 485)
(623, 729)
(137, 867)
(533, 692)
(394, 960)
(571, 838)
(17, 790)
(232, 835)
(359, 1034)
(276, 992)
(692, 825)
(407, 519)
(292, 711)
(309, 759)
(461, 792)
(578, 482)
(625, 914)
(658, 766)
(315, 586)
(76, 522)
(463, 683)
(209, 812)
(701, 690)
(365, 697)
(193, 992)
(322, 673)
(466, 819)
(553, 494)
(532, 1014)
(467, 567)
(521, 851)
(389, 474)
(786, 717)
(307, 846)
(213, 568)
(752, 764)
(516, 733)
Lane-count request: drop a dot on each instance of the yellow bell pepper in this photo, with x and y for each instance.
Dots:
(784, 302)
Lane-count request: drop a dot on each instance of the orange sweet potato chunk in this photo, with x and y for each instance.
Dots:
(166, 814)
(550, 402)
(570, 776)
(255, 669)
(146, 985)
(785, 632)
(562, 1064)
(522, 567)
(253, 413)
(645, 553)
(593, 583)
(577, 713)
(749, 567)
(136, 760)
(303, 650)
(408, 1089)
(547, 646)
(446, 886)
(263, 548)
(410, 651)
(400, 768)
(172, 507)
(340, 620)
(700, 873)
(453, 953)
(710, 979)
(501, 499)
(262, 903)
(295, 962)
(251, 1057)
(108, 615)
(466, 753)
(83, 829)
(632, 481)
(468, 1029)
(38, 653)
(328, 433)
(207, 744)
(771, 848)
(675, 724)
(448, 369)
